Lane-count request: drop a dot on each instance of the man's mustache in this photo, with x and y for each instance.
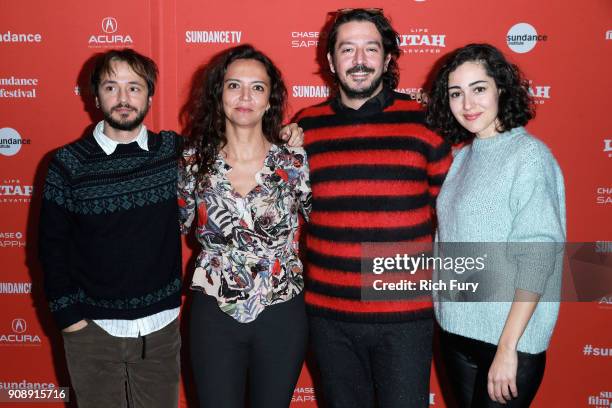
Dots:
(123, 106)
(360, 68)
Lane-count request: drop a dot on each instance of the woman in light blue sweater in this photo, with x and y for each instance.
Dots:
(504, 187)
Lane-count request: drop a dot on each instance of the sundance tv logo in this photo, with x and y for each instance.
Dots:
(213, 37)
(20, 335)
(421, 41)
(310, 91)
(11, 142)
(109, 37)
(523, 37)
(15, 288)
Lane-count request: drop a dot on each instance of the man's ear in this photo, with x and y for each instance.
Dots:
(330, 59)
(97, 102)
(387, 59)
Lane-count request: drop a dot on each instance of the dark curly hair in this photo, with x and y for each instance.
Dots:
(515, 104)
(389, 39)
(203, 116)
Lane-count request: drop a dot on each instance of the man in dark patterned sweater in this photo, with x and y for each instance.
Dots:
(375, 172)
(110, 246)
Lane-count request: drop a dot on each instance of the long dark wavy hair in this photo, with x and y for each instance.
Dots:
(389, 39)
(515, 104)
(203, 116)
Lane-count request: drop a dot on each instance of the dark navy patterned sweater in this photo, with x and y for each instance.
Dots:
(109, 235)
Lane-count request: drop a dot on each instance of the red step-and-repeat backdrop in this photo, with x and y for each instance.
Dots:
(45, 54)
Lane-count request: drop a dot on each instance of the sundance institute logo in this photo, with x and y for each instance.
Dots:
(523, 37)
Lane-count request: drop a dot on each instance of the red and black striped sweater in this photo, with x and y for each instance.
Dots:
(375, 174)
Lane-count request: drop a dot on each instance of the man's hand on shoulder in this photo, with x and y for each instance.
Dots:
(293, 135)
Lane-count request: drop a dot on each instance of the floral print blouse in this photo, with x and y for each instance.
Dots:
(249, 258)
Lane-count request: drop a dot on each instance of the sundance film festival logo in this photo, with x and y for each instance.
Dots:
(20, 335)
(13, 191)
(607, 149)
(11, 142)
(9, 37)
(601, 400)
(421, 41)
(304, 39)
(11, 87)
(12, 240)
(213, 37)
(523, 37)
(109, 37)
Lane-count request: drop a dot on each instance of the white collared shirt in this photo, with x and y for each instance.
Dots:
(109, 145)
(148, 324)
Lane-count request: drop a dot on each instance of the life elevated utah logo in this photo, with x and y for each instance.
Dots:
(19, 335)
(109, 36)
(540, 94)
(421, 41)
(13, 191)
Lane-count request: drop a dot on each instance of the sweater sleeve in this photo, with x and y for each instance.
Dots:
(55, 234)
(438, 163)
(187, 180)
(538, 232)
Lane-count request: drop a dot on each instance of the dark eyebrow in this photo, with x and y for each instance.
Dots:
(378, 43)
(477, 82)
(472, 84)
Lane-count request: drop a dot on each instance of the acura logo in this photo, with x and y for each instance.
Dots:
(19, 325)
(109, 25)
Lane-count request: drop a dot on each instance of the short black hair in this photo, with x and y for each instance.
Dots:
(515, 103)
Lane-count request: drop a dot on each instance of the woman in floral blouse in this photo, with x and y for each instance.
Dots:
(244, 188)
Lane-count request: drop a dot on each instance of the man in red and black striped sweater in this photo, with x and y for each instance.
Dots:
(375, 172)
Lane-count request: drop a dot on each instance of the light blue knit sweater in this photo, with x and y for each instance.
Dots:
(507, 188)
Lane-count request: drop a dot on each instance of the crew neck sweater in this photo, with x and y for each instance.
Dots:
(109, 236)
(375, 173)
(506, 189)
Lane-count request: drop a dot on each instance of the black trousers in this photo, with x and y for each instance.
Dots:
(269, 352)
(384, 365)
(467, 362)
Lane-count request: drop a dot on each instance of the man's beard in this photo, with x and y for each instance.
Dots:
(366, 93)
(125, 124)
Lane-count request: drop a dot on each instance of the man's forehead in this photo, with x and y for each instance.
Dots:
(358, 31)
(121, 72)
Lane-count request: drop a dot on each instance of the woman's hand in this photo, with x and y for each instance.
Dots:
(501, 381)
(293, 135)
